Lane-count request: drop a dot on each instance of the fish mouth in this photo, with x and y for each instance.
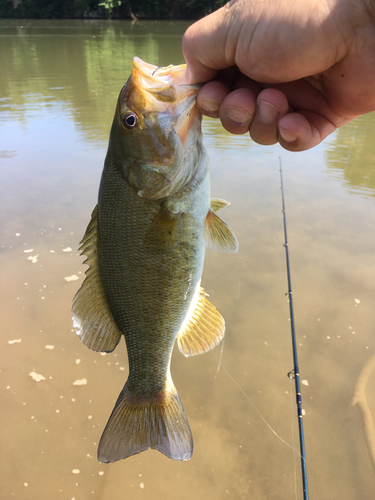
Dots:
(165, 84)
(164, 90)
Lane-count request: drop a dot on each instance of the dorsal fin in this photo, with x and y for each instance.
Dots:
(92, 318)
(203, 328)
(218, 236)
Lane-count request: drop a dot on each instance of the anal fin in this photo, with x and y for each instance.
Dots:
(203, 328)
(92, 318)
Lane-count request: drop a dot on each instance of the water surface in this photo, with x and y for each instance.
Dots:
(58, 90)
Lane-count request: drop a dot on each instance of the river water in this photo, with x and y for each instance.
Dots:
(58, 89)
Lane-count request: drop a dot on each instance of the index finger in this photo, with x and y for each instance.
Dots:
(205, 46)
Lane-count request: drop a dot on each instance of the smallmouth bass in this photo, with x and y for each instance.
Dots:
(145, 247)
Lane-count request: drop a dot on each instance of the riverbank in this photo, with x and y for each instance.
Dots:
(107, 9)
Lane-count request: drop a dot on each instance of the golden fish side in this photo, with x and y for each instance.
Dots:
(145, 249)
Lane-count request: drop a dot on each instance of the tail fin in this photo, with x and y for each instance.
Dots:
(139, 422)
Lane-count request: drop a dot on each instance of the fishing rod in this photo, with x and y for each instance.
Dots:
(294, 374)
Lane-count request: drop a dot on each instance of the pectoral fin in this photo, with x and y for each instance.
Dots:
(218, 235)
(92, 318)
(203, 328)
(217, 204)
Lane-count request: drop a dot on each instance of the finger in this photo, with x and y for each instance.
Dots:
(313, 119)
(210, 97)
(242, 81)
(199, 73)
(271, 106)
(303, 130)
(206, 46)
(237, 110)
(229, 76)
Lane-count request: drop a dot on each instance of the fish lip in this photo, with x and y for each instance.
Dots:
(141, 67)
(166, 90)
(165, 84)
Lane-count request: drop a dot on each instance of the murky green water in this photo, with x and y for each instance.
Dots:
(58, 88)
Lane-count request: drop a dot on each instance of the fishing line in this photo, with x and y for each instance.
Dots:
(256, 409)
(294, 374)
(221, 357)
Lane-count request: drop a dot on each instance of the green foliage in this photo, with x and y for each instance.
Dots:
(143, 9)
(109, 5)
(6, 8)
(85, 8)
(173, 9)
(42, 9)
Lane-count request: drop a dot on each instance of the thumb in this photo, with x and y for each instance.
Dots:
(205, 46)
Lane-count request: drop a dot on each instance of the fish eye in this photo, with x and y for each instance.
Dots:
(130, 120)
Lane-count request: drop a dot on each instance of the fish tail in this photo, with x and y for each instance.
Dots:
(156, 421)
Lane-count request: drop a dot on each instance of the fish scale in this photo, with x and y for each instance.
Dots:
(144, 285)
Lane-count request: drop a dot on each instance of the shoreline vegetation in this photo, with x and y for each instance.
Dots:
(107, 9)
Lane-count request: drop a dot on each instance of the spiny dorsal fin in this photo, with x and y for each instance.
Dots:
(217, 204)
(202, 329)
(218, 236)
(92, 318)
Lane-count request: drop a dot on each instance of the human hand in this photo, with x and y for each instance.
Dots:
(284, 70)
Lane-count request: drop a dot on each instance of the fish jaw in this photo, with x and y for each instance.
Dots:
(166, 89)
(166, 85)
(160, 154)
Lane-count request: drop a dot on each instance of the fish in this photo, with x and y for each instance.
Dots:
(145, 248)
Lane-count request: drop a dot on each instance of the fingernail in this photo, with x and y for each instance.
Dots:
(237, 115)
(210, 106)
(287, 136)
(267, 113)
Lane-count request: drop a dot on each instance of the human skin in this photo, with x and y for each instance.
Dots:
(285, 71)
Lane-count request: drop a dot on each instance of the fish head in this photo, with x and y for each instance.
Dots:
(156, 138)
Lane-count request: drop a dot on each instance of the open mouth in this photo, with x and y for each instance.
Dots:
(165, 85)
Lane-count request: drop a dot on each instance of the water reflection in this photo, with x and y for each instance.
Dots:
(351, 155)
(59, 86)
(81, 64)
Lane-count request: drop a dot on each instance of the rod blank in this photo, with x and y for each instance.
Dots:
(295, 372)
